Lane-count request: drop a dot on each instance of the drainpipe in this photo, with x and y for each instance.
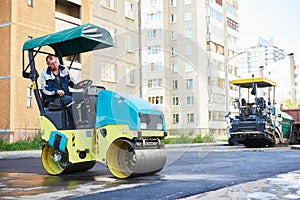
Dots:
(292, 76)
(140, 49)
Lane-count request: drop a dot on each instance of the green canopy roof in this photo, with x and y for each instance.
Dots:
(72, 41)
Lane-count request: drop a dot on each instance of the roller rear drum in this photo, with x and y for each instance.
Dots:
(56, 162)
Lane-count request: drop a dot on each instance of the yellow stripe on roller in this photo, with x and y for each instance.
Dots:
(73, 139)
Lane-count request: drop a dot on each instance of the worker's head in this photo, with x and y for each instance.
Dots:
(52, 62)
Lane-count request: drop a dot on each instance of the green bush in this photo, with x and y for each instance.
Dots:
(189, 139)
(33, 144)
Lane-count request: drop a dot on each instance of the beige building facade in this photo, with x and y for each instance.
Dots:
(186, 73)
(26, 19)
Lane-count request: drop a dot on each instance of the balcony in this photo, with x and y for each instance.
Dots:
(68, 11)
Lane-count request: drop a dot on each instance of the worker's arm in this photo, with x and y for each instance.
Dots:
(71, 81)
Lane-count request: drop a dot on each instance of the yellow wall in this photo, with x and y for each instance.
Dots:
(34, 22)
(5, 41)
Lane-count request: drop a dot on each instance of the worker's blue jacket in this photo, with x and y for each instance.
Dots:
(50, 86)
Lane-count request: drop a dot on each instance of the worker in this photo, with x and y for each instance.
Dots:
(55, 82)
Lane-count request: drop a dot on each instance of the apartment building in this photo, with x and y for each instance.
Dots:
(116, 68)
(185, 63)
(222, 47)
(22, 20)
(155, 57)
(259, 57)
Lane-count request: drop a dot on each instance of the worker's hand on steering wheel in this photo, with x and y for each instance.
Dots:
(83, 84)
(60, 93)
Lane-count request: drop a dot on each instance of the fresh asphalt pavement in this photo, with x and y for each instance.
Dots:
(213, 171)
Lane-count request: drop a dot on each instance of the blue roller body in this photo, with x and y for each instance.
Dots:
(115, 108)
(58, 140)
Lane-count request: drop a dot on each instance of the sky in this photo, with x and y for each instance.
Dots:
(277, 19)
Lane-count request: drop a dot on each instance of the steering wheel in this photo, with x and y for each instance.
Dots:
(83, 84)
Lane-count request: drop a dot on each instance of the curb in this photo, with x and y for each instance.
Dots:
(297, 147)
(38, 153)
(171, 146)
(20, 154)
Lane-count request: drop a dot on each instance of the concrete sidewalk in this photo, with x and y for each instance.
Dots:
(295, 147)
(282, 186)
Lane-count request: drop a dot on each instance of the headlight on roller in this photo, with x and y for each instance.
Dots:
(159, 126)
(143, 125)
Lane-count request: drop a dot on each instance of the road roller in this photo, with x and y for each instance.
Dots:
(122, 131)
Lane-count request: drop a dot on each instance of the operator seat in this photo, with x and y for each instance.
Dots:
(261, 103)
(243, 102)
(244, 110)
(56, 105)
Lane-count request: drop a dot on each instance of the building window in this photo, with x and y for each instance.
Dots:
(190, 118)
(216, 15)
(172, 3)
(30, 3)
(129, 76)
(173, 51)
(129, 10)
(232, 24)
(220, 49)
(153, 2)
(111, 4)
(211, 46)
(187, 16)
(174, 68)
(175, 101)
(175, 84)
(156, 100)
(155, 83)
(175, 118)
(109, 72)
(173, 35)
(160, 83)
(190, 100)
(189, 50)
(231, 9)
(188, 32)
(187, 2)
(221, 83)
(154, 49)
(209, 115)
(155, 33)
(29, 97)
(173, 18)
(188, 67)
(189, 83)
(155, 67)
(150, 83)
(154, 17)
(129, 43)
(152, 67)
